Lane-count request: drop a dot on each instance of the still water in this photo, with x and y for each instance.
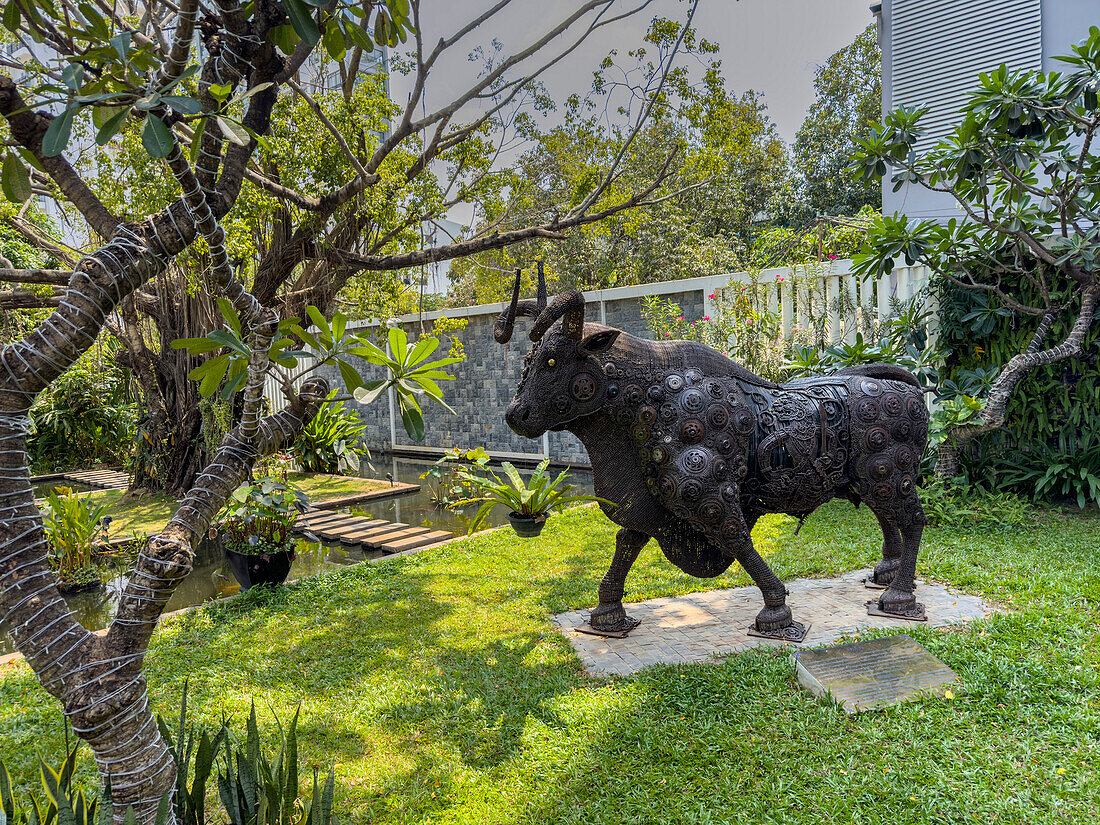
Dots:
(211, 579)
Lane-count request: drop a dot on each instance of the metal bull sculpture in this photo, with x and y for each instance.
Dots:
(692, 449)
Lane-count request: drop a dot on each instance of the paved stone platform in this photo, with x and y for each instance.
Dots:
(700, 626)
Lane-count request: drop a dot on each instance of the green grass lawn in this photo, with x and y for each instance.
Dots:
(142, 515)
(438, 686)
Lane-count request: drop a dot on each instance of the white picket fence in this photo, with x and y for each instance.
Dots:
(827, 295)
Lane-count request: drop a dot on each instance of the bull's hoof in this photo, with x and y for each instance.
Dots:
(776, 623)
(885, 571)
(773, 618)
(611, 619)
(897, 604)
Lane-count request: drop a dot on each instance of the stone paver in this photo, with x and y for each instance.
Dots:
(700, 626)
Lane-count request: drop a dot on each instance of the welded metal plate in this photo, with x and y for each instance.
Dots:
(589, 630)
(794, 632)
(872, 674)
(916, 613)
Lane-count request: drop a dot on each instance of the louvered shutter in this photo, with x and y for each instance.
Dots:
(940, 46)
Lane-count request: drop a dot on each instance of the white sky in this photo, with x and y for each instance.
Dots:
(772, 46)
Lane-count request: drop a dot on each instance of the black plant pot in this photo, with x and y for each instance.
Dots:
(266, 568)
(527, 527)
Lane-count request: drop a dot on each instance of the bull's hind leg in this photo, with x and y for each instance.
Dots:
(775, 620)
(900, 598)
(891, 551)
(610, 616)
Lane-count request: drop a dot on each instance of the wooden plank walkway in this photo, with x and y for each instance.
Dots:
(101, 479)
(368, 533)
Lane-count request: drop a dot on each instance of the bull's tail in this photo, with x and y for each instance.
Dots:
(883, 372)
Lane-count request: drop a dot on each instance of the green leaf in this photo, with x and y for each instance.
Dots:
(17, 180)
(111, 126)
(352, 379)
(227, 339)
(196, 139)
(302, 20)
(411, 417)
(370, 391)
(399, 345)
(57, 133)
(184, 104)
(319, 321)
(233, 131)
(156, 137)
(11, 16)
(333, 40)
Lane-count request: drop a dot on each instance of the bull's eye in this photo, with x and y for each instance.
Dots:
(550, 362)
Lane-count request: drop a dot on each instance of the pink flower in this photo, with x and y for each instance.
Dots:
(680, 318)
(706, 317)
(780, 278)
(714, 295)
(832, 257)
(668, 335)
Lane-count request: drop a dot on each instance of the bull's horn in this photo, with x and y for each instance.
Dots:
(507, 319)
(569, 305)
(540, 300)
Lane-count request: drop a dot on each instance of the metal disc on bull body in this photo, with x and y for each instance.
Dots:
(625, 416)
(905, 486)
(880, 467)
(916, 409)
(634, 394)
(612, 391)
(610, 370)
(717, 416)
(877, 438)
(724, 444)
(647, 414)
(691, 431)
(904, 458)
(696, 461)
(659, 454)
(655, 393)
(640, 433)
(711, 512)
(693, 400)
(714, 389)
(674, 382)
(729, 492)
(742, 421)
(583, 387)
(666, 485)
(561, 403)
(892, 404)
(721, 469)
(871, 387)
(693, 376)
(668, 412)
(691, 489)
(883, 490)
(902, 428)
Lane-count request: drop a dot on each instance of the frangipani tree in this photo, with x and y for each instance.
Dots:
(1024, 169)
(203, 115)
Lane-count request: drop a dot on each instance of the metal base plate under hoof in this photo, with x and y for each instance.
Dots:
(871, 584)
(794, 632)
(620, 633)
(911, 614)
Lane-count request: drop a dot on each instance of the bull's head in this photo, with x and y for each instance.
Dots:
(563, 375)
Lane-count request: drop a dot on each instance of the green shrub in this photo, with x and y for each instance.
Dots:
(330, 439)
(73, 527)
(955, 504)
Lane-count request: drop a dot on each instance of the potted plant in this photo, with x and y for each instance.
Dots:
(73, 527)
(529, 504)
(257, 531)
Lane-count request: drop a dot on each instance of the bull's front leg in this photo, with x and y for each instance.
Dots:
(610, 616)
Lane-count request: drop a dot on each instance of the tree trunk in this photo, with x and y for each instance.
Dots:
(992, 415)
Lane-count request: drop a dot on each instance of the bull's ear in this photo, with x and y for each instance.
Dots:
(598, 341)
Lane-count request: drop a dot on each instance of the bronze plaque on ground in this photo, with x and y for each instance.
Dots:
(871, 674)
